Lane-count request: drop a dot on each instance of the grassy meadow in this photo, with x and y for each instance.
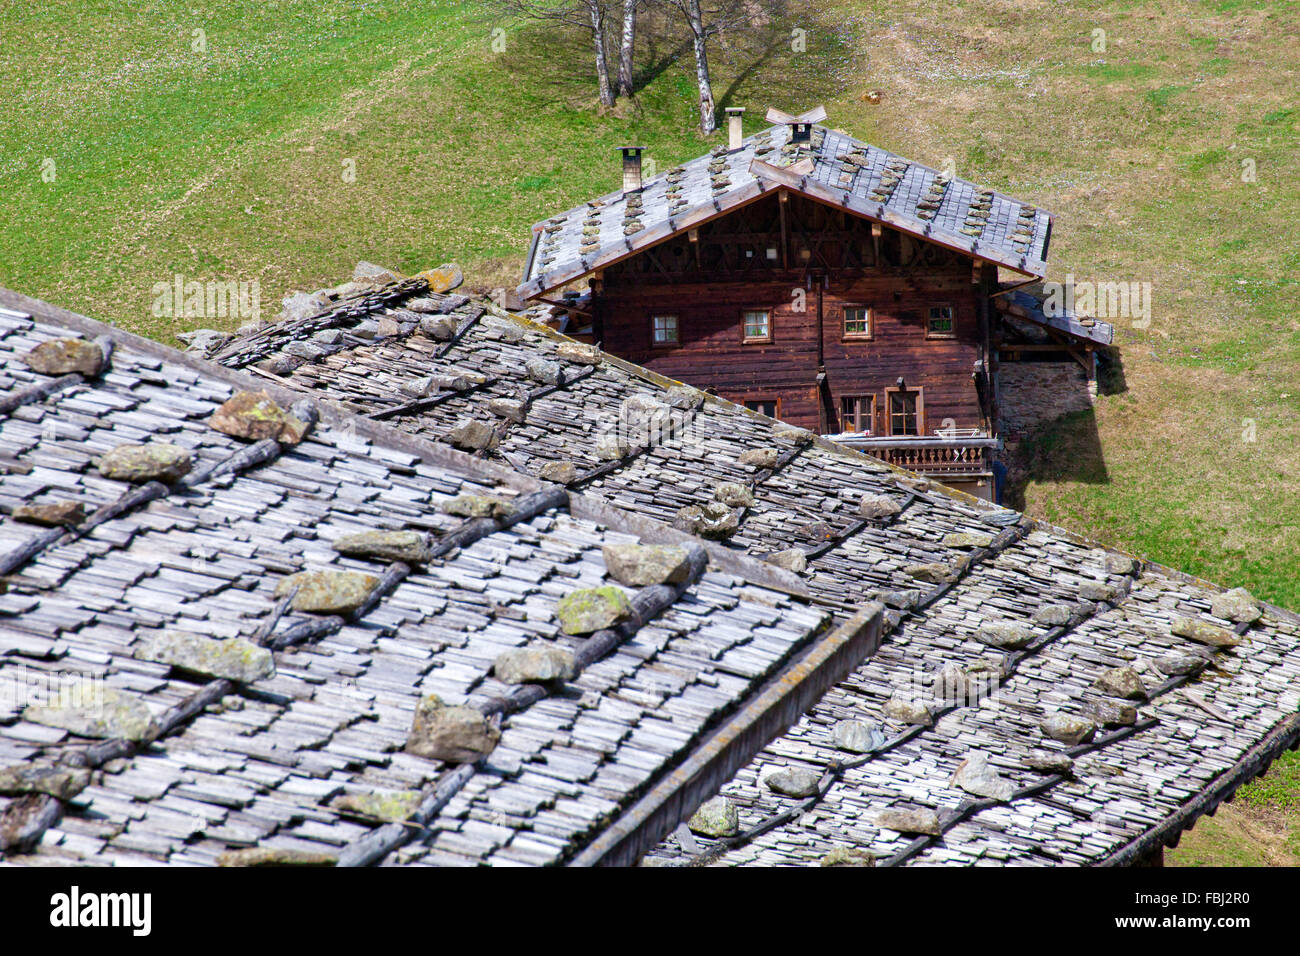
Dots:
(219, 142)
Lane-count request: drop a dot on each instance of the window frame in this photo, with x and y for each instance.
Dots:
(920, 411)
(677, 330)
(870, 414)
(745, 338)
(868, 335)
(929, 333)
(775, 402)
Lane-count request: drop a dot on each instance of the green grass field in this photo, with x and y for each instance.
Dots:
(228, 162)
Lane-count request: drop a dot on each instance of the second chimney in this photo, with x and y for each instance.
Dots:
(631, 168)
(735, 133)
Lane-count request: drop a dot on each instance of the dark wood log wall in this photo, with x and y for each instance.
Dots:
(710, 289)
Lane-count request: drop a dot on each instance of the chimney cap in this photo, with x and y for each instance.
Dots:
(815, 115)
(631, 149)
(735, 110)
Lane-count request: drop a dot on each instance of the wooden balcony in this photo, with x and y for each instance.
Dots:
(937, 455)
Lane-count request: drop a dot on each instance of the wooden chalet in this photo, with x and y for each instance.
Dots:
(818, 280)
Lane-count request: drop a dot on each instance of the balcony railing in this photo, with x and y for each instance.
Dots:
(952, 453)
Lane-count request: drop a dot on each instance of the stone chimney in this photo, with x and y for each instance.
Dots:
(735, 133)
(631, 168)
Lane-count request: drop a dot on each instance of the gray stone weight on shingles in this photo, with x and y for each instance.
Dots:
(232, 658)
(1049, 761)
(934, 573)
(1122, 682)
(641, 565)
(301, 305)
(579, 353)
(902, 599)
(409, 546)
(1098, 591)
(90, 709)
(967, 539)
(716, 818)
(878, 506)
(479, 506)
(64, 356)
(255, 416)
(951, 684)
(1006, 635)
(1112, 714)
(543, 371)
(643, 411)
(390, 807)
(509, 409)
(440, 328)
(534, 665)
(430, 306)
(327, 337)
(1236, 605)
(908, 710)
(734, 495)
(275, 856)
(977, 776)
(923, 821)
(57, 781)
(610, 447)
(790, 433)
(849, 856)
(52, 515)
(792, 559)
(1180, 663)
(1203, 632)
(1120, 564)
(1053, 615)
(592, 609)
(1068, 728)
(444, 278)
(156, 461)
(712, 520)
(328, 592)
(473, 435)
(203, 341)
(561, 472)
(793, 781)
(308, 351)
(451, 734)
(760, 458)
(684, 397)
(857, 736)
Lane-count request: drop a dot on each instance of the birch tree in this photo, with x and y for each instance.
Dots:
(706, 20)
(590, 15)
(626, 47)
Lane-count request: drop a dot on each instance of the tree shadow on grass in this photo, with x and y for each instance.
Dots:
(1067, 449)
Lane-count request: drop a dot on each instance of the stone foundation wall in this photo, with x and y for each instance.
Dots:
(1031, 394)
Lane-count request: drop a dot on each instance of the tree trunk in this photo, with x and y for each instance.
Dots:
(597, 10)
(708, 121)
(625, 50)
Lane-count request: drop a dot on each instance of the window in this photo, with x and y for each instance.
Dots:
(904, 412)
(857, 322)
(758, 325)
(941, 324)
(663, 330)
(765, 406)
(858, 413)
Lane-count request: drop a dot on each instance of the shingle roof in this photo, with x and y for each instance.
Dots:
(291, 764)
(959, 578)
(832, 167)
(1022, 305)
